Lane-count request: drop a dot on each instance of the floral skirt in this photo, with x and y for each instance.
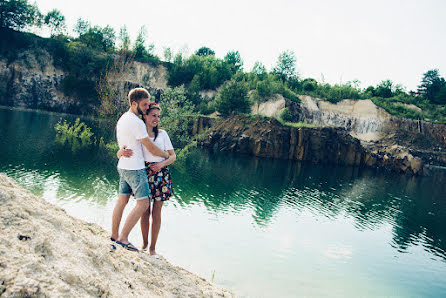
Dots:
(160, 183)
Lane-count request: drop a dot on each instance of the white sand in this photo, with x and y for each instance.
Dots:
(60, 256)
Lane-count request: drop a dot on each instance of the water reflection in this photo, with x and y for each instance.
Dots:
(226, 184)
(414, 206)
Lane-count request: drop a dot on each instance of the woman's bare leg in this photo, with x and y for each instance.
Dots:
(156, 225)
(145, 223)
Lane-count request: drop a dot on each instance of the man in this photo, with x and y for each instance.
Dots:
(131, 132)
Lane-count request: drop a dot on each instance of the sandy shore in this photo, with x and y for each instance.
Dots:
(46, 252)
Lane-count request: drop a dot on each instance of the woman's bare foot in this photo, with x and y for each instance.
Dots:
(152, 252)
(144, 246)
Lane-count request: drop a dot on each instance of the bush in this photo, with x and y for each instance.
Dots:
(233, 98)
(286, 116)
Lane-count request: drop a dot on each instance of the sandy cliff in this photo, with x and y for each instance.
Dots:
(45, 252)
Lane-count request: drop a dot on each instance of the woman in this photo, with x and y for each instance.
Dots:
(158, 174)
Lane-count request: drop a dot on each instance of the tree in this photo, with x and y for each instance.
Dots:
(124, 39)
(18, 14)
(259, 70)
(440, 96)
(108, 38)
(233, 98)
(82, 26)
(286, 65)
(431, 84)
(168, 55)
(55, 21)
(140, 49)
(234, 60)
(204, 51)
(93, 38)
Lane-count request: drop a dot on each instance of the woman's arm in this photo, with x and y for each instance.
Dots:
(156, 167)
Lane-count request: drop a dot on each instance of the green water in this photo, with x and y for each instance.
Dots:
(258, 227)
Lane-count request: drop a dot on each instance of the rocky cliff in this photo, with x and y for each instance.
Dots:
(47, 74)
(266, 137)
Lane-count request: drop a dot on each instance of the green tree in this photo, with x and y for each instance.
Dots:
(55, 21)
(108, 38)
(168, 54)
(124, 38)
(93, 38)
(18, 14)
(286, 65)
(440, 96)
(81, 27)
(177, 113)
(259, 70)
(431, 84)
(387, 89)
(204, 51)
(233, 98)
(235, 61)
(139, 49)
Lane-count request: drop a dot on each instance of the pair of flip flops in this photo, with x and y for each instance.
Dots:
(127, 246)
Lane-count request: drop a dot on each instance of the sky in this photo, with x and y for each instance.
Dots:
(334, 41)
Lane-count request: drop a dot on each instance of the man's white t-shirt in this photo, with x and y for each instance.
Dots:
(163, 142)
(129, 130)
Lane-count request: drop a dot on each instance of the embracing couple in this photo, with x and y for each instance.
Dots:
(145, 153)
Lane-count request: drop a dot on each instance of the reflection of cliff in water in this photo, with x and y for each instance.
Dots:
(413, 206)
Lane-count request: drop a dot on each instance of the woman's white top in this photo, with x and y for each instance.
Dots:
(163, 142)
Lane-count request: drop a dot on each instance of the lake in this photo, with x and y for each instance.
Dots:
(258, 227)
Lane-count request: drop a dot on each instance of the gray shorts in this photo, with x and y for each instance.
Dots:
(134, 182)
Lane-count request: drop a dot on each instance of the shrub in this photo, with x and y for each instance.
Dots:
(233, 98)
(286, 116)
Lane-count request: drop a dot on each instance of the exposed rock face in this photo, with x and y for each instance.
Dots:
(270, 108)
(268, 138)
(32, 81)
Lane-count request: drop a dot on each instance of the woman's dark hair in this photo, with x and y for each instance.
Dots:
(153, 106)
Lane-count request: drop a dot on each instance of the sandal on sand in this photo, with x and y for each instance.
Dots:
(112, 239)
(127, 246)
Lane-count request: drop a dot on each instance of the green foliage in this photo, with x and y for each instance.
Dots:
(300, 124)
(199, 72)
(140, 51)
(55, 21)
(336, 93)
(259, 70)
(309, 85)
(392, 106)
(233, 98)
(204, 51)
(432, 87)
(286, 65)
(124, 39)
(78, 135)
(234, 60)
(177, 115)
(18, 14)
(286, 116)
(81, 27)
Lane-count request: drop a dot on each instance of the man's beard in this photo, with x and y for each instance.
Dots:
(140, 111)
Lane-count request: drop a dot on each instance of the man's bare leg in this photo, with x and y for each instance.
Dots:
(156, 225)
(132, 219)
(117, 214)
(145, 223)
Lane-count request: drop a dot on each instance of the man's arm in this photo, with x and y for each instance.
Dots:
(153, 148)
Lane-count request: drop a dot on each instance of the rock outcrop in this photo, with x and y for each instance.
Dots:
(266, 137)
(36, 78)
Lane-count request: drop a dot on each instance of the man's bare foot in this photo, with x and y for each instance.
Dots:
(144, 246)
(152, 252)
